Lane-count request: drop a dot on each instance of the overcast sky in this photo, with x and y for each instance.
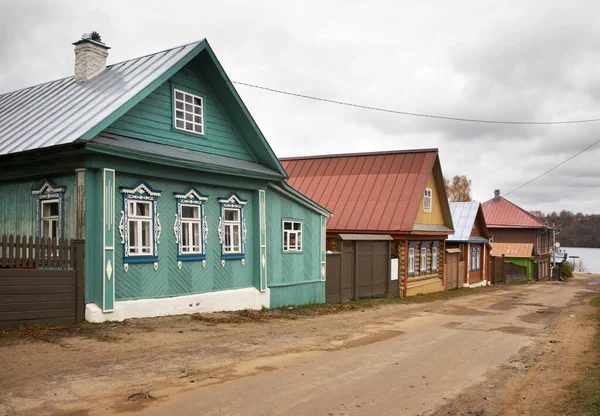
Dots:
(521, 60)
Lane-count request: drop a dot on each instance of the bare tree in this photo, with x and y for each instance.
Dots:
(579, 266)
(458, 189)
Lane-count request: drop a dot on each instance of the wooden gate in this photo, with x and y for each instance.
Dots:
(360, 269)
(372, 272)
(452, 271)
(497, 270)
(41, 281)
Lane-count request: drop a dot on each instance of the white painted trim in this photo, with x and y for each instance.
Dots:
(226, 300)
(108, 204)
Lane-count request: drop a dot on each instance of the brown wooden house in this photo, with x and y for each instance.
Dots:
(467, 250)
(390, 220)
(508, 223)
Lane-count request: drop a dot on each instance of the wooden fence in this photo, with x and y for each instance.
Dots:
(42, 281)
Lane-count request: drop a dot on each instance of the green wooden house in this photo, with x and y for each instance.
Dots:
(157, 164)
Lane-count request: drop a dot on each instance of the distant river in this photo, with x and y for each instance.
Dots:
(590, 257)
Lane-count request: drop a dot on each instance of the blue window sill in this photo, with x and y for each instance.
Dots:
(191, 257)
(232, 256)
(140, 259)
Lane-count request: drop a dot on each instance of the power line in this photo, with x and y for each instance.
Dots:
(555, 167)
(413, 114)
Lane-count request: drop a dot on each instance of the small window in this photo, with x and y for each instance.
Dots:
(191, 242)
(427, 200)
(491, 239)
(434, 259)
(189, 112)
(423, 260)
(139, 225)
(292, 236)
(231, 223)
(140, 228)
(411, 260)
(50, 218)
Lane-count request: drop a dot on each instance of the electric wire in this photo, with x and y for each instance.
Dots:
(413, 114)
(553, 168)
(434, 116)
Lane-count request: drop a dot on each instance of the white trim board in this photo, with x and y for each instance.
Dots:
(226, 300)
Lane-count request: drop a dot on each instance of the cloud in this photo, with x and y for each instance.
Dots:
(485, 60)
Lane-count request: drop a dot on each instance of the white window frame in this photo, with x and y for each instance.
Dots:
(287, 234)
(132, 217)
(188, 223)
(52, 219)
(193, 109)
(478, 258)
(427, 197)
(434, 259)
(423, 259)
(411, 260)
(228, 228)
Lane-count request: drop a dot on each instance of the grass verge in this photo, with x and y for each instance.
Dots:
(584, 394)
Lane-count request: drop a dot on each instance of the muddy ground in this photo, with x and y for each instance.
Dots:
(101, 371)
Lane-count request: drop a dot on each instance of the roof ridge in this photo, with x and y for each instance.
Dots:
(107, 66)
(361, 154)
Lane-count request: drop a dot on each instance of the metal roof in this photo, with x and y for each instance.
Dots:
(463, 217)
(62, 111)
(512, 250)
(366, 192)
(504, 214)
(190, 157)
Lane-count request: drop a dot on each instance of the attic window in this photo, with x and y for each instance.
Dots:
(188, 112)
(427, 200)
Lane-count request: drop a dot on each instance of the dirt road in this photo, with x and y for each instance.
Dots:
(483, 354)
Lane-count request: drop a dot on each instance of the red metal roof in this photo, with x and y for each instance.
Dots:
(512, 250)
(505, 214)
(367, 192)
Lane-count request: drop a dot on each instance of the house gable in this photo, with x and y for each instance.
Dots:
(440, 211)
(152, 119)
(479, 227)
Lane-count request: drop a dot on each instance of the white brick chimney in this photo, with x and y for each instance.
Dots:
(90, 57)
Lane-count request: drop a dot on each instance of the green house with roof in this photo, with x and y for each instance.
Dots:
(157, 163)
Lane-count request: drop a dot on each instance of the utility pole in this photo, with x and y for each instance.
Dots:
(553, 249)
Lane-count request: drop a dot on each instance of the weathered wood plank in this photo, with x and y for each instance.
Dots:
(37, 297)
(37, 281)
(37, 306)
(23, 315)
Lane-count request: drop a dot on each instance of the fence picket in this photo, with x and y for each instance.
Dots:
(29, 252)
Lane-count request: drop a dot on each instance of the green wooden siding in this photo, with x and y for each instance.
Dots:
(142, 282)
(290, 273)
(300, 294)
(18, 206)
(152, 119)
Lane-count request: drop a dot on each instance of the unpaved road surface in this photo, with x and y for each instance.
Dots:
(482, 354)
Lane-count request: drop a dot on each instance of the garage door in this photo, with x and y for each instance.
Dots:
(451, 271)
(372, 272)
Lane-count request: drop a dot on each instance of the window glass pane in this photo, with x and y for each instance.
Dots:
(179, 114)
(287, 225)
(142, 209)
(189, 108)
(292, 240)
(185, 237)
(299, 239)
(198, 101)
(197, 110)
(189, 126)
(236, 237)
(146, 233)
(133, 226)
(197, 119)
(54, 225)
(45, 229)
(297, 225)
(188, 211)
(198, 128)
(188, 98)
(179, 105)
(196, 236)
(178, 95)
(232, 215)
(179, 124)
(228, 238)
